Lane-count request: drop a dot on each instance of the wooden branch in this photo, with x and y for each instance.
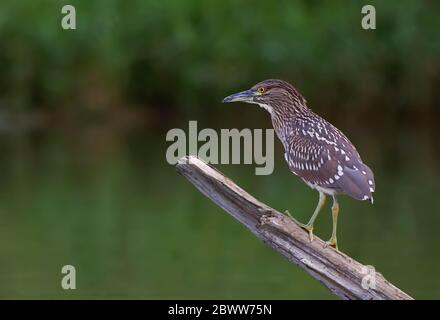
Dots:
(344, 276)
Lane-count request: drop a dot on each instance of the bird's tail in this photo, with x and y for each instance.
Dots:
(358, 182)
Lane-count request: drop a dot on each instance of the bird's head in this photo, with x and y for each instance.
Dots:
(275, 96)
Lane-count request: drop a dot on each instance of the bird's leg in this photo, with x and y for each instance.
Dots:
(335, 211)
(309, 225)
(294, 220)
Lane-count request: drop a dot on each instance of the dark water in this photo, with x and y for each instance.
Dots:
(133, 228)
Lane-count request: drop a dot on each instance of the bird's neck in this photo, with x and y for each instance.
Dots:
(282, 119)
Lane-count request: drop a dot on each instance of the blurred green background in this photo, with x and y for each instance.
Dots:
(83, 118)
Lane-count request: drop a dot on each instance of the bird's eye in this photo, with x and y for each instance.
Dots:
(261, 89)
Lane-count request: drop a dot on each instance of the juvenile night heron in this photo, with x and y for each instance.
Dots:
(315, 150)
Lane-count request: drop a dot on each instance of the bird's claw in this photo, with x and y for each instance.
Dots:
(332, 243)
(309, 229)
(288, 213)
(293, 219)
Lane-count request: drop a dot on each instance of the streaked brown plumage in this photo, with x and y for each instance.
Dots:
(315, 150)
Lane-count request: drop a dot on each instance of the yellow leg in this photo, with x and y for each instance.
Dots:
(309, 225)
(335, 211)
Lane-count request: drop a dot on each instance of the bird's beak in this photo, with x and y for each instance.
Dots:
(244, 96)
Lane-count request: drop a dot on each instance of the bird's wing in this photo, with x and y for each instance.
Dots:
(323, 156)
(311, 161)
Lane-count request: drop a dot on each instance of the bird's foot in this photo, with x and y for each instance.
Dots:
(290, 215)
(293, 219)
(308, 227)
(333, 242)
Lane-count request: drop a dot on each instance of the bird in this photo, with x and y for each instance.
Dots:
(315, 150)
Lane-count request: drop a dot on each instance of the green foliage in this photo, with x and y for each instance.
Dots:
(186, 54)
